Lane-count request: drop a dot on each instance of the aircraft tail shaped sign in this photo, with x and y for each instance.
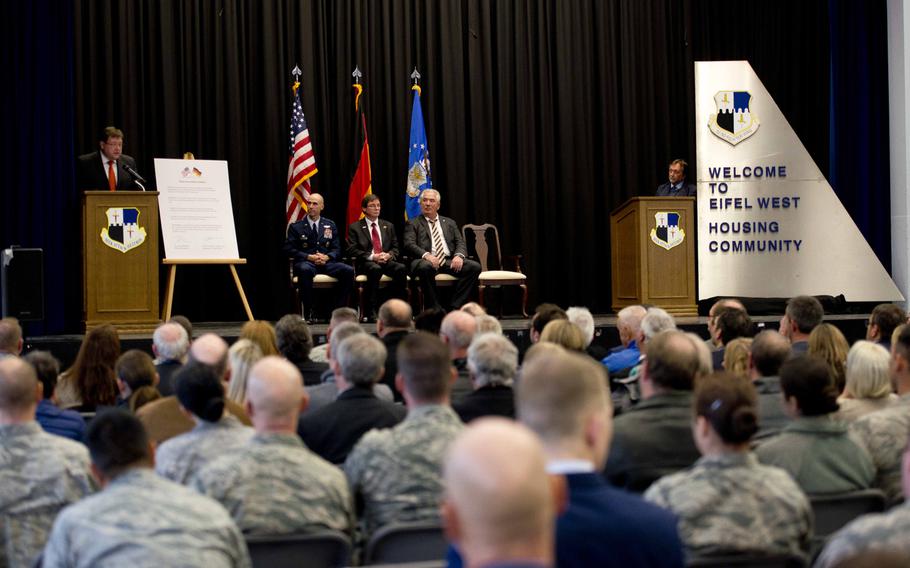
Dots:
(769, 224)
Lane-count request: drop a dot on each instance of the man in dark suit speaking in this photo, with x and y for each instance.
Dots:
(677, 186)
(373, 245)
(436, 246)
(106, 169)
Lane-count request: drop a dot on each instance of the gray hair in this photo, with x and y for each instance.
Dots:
(339, 334)
(487, 324)
(492, 360)
(868, 373)
(171, 341)
(582, 317)
(361, 358)
(655, 321)
(430, 190)
(459, 327)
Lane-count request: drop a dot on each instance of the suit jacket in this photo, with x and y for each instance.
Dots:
(486, 401)
(166, 371)
(333, 430)
(360, 240)
(418, 240)
(302, 241)
(92, 175)
(391, 341)
(687, 190)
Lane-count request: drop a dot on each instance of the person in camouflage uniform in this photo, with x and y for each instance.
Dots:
(40, 473)
(885, 433)
(727, 501)
(139, 519)
(397, 472)
(275, 484)
(201, 393)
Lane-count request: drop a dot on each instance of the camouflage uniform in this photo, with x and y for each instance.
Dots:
(140, 520)
(40, 474)
(275, 485)
(884, 434)
(398, 471)
(180, 458)
(730, 502)
(881, 532)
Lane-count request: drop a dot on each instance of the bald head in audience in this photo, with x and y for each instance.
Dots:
(275, 396)
(499, 504)
(769, 351)
(457, 332)
(10, 337)
(671, 365)
(210, 349)
(628, 322)
(20, 391)
(394, 315)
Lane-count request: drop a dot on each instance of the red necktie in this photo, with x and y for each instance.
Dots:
(377, 245)
(111, 178)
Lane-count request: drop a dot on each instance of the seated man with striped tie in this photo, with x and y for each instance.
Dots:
(315, 247)
(436, 246)
(373, 245)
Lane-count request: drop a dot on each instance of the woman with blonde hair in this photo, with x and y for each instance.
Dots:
(565, 333)
(262, 334)
(91, 381)
(736, 356)
(243, 355)
(868, 381)
(828, 343)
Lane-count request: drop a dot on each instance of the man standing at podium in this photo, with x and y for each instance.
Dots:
(677, 186)
(106, 169)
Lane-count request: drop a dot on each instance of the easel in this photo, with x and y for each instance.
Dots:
(172, 277)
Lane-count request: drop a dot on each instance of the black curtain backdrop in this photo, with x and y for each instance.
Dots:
(541, 115)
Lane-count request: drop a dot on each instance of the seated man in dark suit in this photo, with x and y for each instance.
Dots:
(677, 186)
(332, 430)
(315, 247)
(492, 361)
(436, 245)
(373, 245)
(106, 169)
(170, 344)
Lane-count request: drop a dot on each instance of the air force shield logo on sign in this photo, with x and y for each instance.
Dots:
(667, 234)
(734, 121)
(123, 231)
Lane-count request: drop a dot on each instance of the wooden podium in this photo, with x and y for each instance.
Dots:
(120, 259)
(654, 263)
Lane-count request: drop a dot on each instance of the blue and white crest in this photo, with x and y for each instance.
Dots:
(734, 121)
(667, 234)
(123, 232)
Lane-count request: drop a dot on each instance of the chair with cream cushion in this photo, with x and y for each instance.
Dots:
(482, 242)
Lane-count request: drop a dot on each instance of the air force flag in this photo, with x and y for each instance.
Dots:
(418, 162)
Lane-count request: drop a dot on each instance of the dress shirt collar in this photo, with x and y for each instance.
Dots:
(565, 467)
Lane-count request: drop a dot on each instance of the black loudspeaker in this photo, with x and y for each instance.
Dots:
(22, 283)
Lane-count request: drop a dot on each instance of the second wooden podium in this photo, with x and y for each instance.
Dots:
(653, 254)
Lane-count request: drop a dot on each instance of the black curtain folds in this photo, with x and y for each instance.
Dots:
(541, 115)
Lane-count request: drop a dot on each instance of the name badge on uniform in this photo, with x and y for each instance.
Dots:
(327, 232)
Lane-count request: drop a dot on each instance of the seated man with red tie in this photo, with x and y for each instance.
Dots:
(436, 246)
(373, 245)
(106, 169)
(315, 247)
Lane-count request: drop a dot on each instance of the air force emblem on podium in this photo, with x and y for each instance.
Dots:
(734, 121)
(123, 232)
(667, 234)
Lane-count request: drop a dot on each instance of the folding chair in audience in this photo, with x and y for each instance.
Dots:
(406, 542)
(323, 549)
(833, 512)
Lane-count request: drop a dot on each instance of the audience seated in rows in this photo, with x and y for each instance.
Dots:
(273, 484)
(814, 448)
(54, 420)
(653, 438)
(656, 320)
(729, 324)
(294, 343)
(331, 431)
(90, 381)
(457, 332)
(320, 353)
(242, 355)
(868, 386)
(136, 380)
(885, 318)
(263, 334)
(492, 363)
(801, 316)
(392, 325)
(163, 419)
(769, 351)
(829, 344)
(395, 473)
(139, 518)
(200, 393)
(885, 432)
(170, 344)
(40, 473)
(628, 323)
(10, 338)
(727, 501)
(565, 334)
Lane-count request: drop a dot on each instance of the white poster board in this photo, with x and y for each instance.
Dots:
(194, 199)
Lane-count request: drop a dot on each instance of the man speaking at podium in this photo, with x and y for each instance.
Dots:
(108, 168)
(677, 186)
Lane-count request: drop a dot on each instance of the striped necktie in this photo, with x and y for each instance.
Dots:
(438, 248)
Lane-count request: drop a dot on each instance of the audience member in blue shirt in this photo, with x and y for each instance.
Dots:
(628, 323)
(66, 423)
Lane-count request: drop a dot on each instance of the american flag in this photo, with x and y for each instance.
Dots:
(302, 165)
